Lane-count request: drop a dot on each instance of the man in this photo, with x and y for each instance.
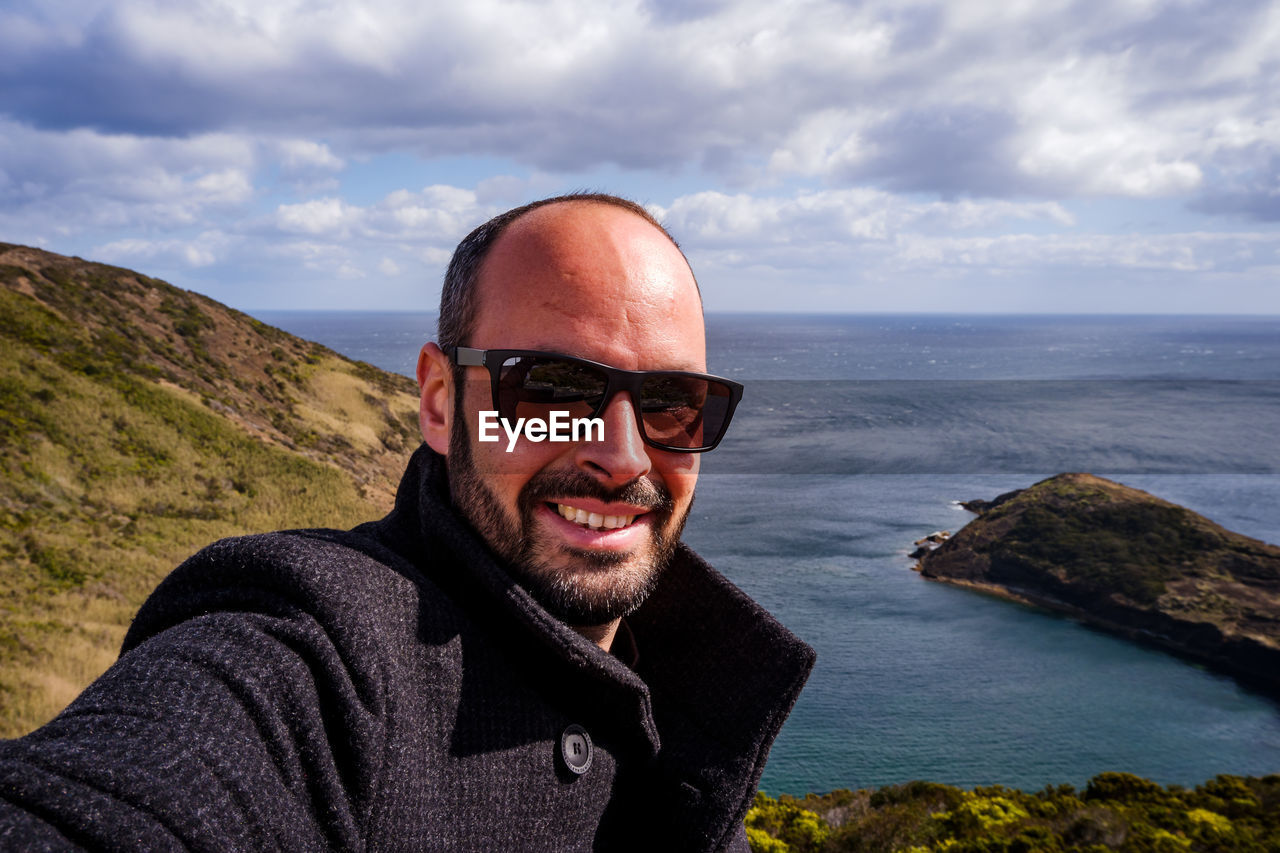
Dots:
(522, 655)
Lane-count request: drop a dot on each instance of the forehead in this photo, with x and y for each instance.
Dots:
(592, 280)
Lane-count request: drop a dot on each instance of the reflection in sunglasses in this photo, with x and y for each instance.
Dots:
(675, 410)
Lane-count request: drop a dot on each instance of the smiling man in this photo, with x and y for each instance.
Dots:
(521, 656)
(597, 281)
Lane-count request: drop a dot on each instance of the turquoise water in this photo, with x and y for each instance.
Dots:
(917, 680)
(920, 680)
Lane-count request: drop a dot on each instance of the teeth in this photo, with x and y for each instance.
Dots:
(594, 520)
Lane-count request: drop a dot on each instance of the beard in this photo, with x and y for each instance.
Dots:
(577, 586)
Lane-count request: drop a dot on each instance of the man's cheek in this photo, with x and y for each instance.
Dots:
(518, 461)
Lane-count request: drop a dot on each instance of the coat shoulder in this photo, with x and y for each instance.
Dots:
(342, 579)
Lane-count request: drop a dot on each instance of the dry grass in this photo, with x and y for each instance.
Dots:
(99, 526)
(77, 639)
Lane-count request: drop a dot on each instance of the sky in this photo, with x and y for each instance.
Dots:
(1023, 156)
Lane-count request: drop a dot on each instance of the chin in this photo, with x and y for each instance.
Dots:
(591, 587)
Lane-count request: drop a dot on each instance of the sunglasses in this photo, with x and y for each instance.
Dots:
(675, 410)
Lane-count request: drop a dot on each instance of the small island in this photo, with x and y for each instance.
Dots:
(1125, 561)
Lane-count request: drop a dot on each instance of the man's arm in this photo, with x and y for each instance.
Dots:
(239, 729)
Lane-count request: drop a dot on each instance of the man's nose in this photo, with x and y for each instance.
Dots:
(621, 456)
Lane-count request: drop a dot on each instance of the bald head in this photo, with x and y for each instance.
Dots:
(598, 278)
(459, 298)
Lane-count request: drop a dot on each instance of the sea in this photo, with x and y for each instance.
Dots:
(859, 434)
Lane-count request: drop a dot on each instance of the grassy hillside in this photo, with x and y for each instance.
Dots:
(138, 423)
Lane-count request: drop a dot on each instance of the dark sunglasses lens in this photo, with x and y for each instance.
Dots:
(684, 411)
(532, 387)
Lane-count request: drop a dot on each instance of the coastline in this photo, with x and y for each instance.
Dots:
(1254, 664)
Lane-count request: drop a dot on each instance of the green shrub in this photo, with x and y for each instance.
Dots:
(781, 826)
(1116, 812)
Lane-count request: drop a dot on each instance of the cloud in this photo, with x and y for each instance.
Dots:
(401, 234)
(328, 216)
(809, 143)
(202, 251)
(836, 216)
(348, 271)
(305, 156)
(1072, 97)
(1195, 252)
(66, 182)
(436, 214)
(839, 237)
(1246, 178)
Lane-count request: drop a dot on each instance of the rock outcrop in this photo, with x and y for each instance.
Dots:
(1125, 561)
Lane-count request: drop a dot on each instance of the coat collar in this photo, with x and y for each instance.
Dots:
(717, 674)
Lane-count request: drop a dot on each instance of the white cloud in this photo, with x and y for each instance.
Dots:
(435, 256)
(201, 251)
(304, 155)
(835, 216)
(79, 157)
(312, 253)
(1066, 97)
(828, 137)
(80, 180)
(229, 186)
(329, 216)
(350, 271)
(836, 238)
(434, 212)
(829, 142)
(1082, 131)
(436, 215)
(332, 237)
(1169, 253)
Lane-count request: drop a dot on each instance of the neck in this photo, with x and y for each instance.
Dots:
(601, 635)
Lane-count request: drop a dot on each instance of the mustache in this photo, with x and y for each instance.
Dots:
(575, 484)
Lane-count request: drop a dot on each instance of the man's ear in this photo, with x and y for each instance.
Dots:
(435, 409)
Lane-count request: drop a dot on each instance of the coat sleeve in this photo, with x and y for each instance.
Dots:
(738, 840)
(239, 729)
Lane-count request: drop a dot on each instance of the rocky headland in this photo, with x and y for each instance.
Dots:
(1125, 561)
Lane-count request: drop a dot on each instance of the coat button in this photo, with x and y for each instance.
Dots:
(575, 749)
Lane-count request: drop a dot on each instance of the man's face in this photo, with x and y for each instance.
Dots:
(600, 283)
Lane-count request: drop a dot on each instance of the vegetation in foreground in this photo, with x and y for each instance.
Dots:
(1115, 811)
(138, 423)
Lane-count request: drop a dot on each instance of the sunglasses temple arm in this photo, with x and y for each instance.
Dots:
(469, 357)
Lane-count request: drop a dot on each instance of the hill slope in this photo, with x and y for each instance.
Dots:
(138, 423)
(1123, 560)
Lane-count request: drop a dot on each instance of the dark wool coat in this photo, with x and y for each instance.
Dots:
(391, 688)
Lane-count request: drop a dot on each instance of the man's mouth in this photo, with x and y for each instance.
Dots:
(592, 520)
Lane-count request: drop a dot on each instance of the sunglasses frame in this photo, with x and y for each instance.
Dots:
(616, 380)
